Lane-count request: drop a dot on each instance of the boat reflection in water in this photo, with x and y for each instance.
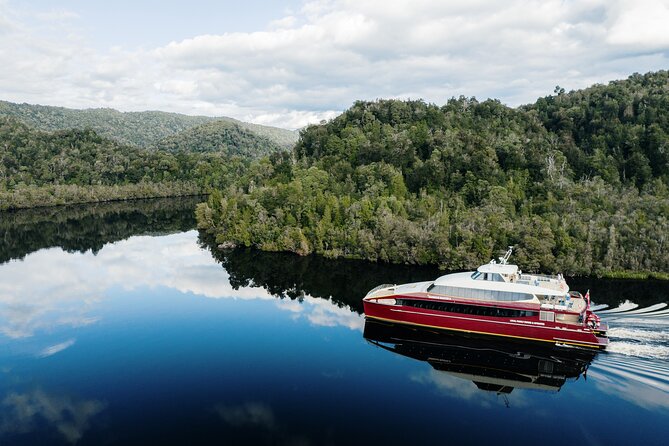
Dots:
(492, 365)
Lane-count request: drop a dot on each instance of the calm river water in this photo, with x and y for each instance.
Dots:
(120, 325)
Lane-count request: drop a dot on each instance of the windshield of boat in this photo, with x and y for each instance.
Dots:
(476, 275)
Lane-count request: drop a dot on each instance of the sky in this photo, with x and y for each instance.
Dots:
(292, 63)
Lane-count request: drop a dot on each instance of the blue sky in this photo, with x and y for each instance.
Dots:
(292, 63)
(142, 23)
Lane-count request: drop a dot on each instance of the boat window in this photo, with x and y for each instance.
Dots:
(497, 277)
(451, 307)
(547, 316)
(476, 275)
(473, 293)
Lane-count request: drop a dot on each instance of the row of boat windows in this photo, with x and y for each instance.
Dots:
(450, 307)
(493, 277)
(473, 293)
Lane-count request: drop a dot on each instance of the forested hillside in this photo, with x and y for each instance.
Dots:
(618, 131)
(138, 128)
(578, 185)
(71, 166)
(282, 137)
(224, 137)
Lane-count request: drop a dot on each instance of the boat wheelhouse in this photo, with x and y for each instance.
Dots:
(497, 300)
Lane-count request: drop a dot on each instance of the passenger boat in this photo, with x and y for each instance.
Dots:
(495, 300)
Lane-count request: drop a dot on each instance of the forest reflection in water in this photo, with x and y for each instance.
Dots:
(133, 327)
(91, 226)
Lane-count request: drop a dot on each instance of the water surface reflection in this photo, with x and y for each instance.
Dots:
(492, 365)
(124, 326)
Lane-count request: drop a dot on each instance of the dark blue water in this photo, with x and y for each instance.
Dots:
(120, 326)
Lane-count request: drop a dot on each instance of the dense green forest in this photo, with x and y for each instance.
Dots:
(97, 155)
(224, 137)
(75, 166)
(577, 181)
(131, 128)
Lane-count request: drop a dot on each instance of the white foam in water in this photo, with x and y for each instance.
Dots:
(640, 350)
(625, 306)
(638, 334)
(659, 321)
(658, 313)
(646, 310)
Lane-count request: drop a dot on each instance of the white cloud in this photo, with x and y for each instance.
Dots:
(641, 23)
(53, 349)
(313, 63)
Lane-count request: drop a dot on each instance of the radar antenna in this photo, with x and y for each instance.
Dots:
(506, 256)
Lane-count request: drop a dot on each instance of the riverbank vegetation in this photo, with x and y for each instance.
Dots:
(77, 166)
(577, 181)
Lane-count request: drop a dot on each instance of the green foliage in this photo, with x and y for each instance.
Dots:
(135, 128)
(285, 139)
(74, 166)
(618, 131)
(410, 182)
(223, 137)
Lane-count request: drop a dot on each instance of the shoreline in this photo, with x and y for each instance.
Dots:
(56, 196)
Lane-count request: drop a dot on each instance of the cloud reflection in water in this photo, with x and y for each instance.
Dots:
(52, 288)
(69, 416)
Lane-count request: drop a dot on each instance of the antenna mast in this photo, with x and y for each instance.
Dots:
(504, 259)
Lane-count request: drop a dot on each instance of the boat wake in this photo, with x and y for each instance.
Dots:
(635, 362)
(639, 350)
(630, 309)
(642, 381)
(638, 332)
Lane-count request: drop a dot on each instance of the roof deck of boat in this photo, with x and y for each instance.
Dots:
(465, 280)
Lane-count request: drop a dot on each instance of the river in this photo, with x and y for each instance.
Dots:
(120, 324)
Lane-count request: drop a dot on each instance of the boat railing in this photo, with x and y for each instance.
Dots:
(544, 281)
(540, 277)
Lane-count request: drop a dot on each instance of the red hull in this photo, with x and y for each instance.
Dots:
(531, 329)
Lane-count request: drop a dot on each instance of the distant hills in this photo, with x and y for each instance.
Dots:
(55, 155)
(226, 137)
(141, 129)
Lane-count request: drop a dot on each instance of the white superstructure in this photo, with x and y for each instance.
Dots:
(497, 282)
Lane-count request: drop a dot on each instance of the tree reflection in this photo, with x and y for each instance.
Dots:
(91, 226)
(288, 275)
